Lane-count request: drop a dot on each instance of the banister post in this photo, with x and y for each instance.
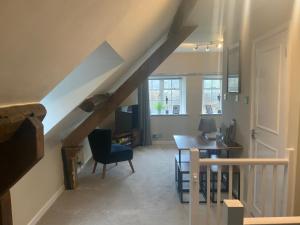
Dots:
(288, 210)
(194, 216)
(234, 212)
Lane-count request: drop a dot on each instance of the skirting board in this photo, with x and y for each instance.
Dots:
(45, 208)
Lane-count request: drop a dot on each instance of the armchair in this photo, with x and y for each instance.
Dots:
(105, 152)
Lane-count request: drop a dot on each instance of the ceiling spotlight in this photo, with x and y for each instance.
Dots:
(196, 48)
(220, 45)
(207, 49)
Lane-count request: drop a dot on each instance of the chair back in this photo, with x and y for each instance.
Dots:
(100, 143)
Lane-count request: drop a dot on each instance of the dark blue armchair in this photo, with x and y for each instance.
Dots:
(105, 152)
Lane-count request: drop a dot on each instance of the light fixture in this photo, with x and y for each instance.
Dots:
(207, 49)
(207, 46)
(196, 47)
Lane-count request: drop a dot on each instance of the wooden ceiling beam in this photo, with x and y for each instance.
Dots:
(184, 10)
(172, 42)
(90, 104)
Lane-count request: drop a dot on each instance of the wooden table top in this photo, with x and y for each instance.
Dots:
(185, 142)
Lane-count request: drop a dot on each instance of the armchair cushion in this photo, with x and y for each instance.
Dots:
(120, 153)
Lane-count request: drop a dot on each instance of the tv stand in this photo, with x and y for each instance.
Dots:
(131, 138)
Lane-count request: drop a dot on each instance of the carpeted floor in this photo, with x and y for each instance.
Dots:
(147, 197)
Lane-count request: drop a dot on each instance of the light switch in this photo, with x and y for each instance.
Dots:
(236, 98)
(246, 100)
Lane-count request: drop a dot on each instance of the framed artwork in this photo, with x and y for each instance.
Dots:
(233, 69)
(176, 109)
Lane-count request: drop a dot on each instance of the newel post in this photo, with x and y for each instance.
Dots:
(194, 216)
(233, 212)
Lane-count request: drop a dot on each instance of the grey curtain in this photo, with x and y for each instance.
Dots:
(144, 113)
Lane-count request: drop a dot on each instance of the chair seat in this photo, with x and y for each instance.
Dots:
(119, 148)
(120, 153)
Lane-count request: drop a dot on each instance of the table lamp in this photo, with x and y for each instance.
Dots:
(206, 126)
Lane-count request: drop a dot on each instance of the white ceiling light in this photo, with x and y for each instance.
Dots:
(207, 49)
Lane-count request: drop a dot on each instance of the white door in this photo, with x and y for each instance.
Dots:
(269, 119)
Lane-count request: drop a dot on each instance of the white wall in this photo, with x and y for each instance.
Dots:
(31, 193)
(256, 18)
(193, 66)
(259, 18)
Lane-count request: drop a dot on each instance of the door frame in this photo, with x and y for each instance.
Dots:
(284, 28)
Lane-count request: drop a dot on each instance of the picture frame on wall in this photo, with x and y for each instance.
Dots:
(176, 109)
(233, 72)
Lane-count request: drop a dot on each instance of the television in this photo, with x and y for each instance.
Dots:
(126, 119)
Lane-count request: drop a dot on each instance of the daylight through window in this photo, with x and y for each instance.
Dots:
(167, 96)
(211, 96)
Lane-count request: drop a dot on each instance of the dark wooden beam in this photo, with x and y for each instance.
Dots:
(184, 10)
(21, 147)
(19, 154)
(5, 209)
(12, 117)
(90, 104)
(69, 156)
(142, 73)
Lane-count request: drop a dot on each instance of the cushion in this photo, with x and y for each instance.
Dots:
(120, 153)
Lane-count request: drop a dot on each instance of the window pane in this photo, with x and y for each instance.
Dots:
(215, 94)
(175, 84)
(216, 84)
(154, 85)
(175, 95)
(211, 96)
(206, 96)
(167, 84)
(154, 95)
(167, 96)
(207, 84)
(164, 94)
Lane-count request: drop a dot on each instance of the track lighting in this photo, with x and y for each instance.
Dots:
(208, 46)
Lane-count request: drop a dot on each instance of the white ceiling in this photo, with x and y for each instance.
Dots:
(210, 16)
(41, 42)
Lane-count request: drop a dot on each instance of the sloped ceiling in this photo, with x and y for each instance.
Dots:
(43, 41)
(83, 80)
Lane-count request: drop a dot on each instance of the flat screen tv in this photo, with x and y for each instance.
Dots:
(126, 118)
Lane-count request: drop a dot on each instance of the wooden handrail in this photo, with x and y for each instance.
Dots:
(234, 215)
(272, 220)
(244, 161)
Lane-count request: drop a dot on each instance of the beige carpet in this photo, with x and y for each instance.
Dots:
(146, 197)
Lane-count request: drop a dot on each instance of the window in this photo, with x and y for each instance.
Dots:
(167, 96)
(211, 96)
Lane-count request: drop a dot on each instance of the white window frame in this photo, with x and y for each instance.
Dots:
(182, 89)
(221, 91)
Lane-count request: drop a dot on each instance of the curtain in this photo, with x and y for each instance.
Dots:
(144, 113)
